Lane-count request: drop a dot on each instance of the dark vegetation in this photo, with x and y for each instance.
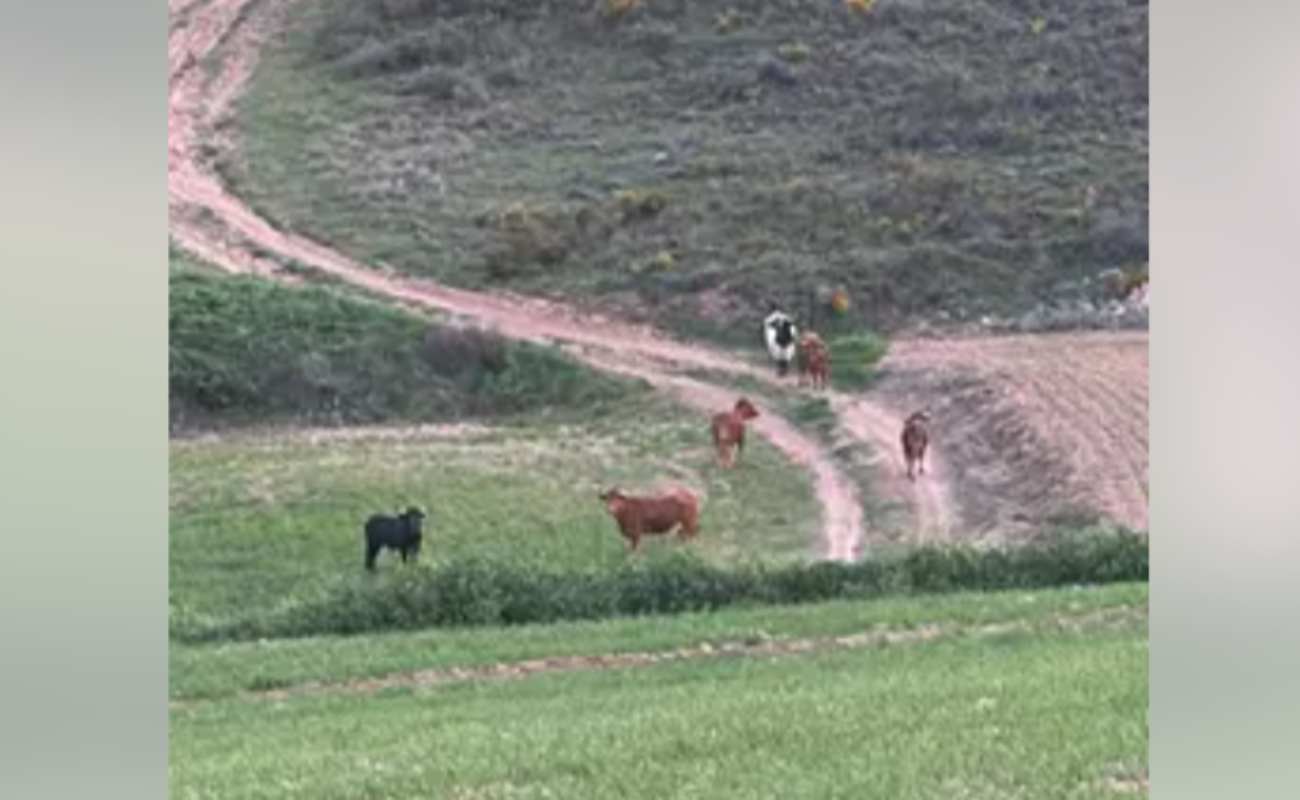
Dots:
(687, 160)
(246, 350)
(483, 592)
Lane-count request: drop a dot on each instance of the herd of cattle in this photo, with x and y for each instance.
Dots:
(678, 508)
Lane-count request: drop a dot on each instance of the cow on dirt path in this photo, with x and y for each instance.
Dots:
(814, 360)
(779, 333)
(915, 440)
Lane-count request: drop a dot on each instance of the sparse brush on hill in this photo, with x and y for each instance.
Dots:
(246, 350)
(941, 161)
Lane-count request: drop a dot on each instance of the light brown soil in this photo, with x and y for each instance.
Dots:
(1033, 426)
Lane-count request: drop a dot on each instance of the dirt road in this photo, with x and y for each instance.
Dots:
(212, 48)
(218, 227)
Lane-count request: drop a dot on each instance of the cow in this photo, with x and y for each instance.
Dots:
(638, 516)
(729, 431)
(779, 334)
(401, 533)
(814, 360)
(915, 439)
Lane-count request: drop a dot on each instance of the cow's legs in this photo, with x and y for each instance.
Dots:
(372, 551)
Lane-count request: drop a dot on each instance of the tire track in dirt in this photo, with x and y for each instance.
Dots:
(216, 226)
(1082, 401)
(750, 648)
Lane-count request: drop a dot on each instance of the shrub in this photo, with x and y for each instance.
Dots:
(854, 358)
(728, 21)
(794, 52)
(455, 351)
(481, 592)
(636, 204)
(617, 9)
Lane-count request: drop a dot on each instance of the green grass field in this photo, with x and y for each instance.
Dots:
(226, 669)
(1050, 703)
(1053, 709)
(262, 522)
(684, 164)
(967, 157)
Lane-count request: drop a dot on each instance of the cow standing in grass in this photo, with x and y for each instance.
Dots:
(402, 533)
(639, 516)
(779, 333)
(814, 360)
(729, 431)
(915, 439)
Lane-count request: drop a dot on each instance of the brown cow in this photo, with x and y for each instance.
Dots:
(814, 360)
(729, 431)
(638, 516)
(916, 437)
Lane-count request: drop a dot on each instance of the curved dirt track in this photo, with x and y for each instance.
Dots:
(1052, 438)
(209, 221)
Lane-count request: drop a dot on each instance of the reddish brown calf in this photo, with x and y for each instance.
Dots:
(915, 439)
(814, 360)
(639, 516)
(729, 431)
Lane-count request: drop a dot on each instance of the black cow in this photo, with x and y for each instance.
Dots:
(401, 533)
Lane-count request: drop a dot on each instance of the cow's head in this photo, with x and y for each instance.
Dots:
(745, 409)
(784, 332)
(919, 417)
(414, 518)
(614, 500)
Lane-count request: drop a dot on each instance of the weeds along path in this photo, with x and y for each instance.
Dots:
(216, 226)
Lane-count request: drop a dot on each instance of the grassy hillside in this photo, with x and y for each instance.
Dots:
(1049, 709)
(265, 532)
(264, 527)
(684, 159)
(246, 350)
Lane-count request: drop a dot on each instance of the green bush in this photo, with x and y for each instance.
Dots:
(482, 592)
(854, 359)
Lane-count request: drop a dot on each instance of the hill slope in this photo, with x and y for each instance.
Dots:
(244, 350)
(943, 160)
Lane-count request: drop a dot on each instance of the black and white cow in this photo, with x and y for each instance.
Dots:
(402, 533)
(779, 334)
